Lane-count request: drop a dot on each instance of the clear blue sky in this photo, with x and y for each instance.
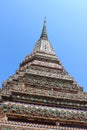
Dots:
(21, 24)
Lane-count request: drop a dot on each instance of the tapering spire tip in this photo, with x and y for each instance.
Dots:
(44, 32)
(44, 21)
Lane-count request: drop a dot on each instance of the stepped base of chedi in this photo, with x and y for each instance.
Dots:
(41, 95)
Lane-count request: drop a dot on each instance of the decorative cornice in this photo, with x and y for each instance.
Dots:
(45, 112)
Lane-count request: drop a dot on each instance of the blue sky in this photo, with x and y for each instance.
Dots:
(21, 25)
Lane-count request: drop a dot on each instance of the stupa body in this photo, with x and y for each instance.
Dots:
(41, 95)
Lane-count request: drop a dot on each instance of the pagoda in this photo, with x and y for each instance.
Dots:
(41, 95)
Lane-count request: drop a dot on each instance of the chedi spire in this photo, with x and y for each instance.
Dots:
(43, 44)
(44, 31)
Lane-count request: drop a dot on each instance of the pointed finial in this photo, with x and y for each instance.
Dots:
(44, 21)
(44, 32)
